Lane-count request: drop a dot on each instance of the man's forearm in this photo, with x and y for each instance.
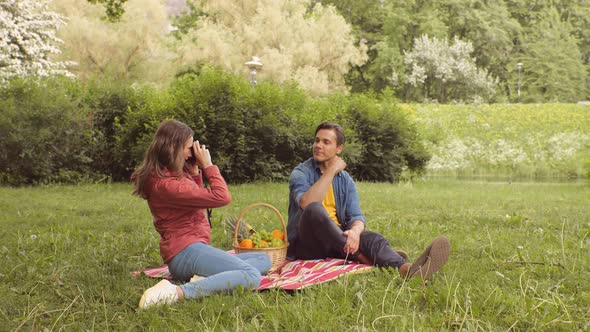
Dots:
(317, 191)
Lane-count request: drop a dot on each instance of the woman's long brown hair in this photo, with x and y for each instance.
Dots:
(164, 152)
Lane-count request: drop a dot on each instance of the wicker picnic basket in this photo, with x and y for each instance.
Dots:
(278, 254)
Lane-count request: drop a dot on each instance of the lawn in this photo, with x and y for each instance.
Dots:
(520, 261)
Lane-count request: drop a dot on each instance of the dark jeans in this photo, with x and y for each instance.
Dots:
(319, 237)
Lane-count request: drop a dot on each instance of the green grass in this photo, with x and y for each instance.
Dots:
(67, 251)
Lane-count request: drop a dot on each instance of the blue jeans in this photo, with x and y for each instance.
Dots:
(222, 271)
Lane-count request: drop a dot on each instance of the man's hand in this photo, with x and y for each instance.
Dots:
(353, 240)
(335, 165)
(318, 190)
(353, 237)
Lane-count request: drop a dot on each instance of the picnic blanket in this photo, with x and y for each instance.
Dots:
(292, 275)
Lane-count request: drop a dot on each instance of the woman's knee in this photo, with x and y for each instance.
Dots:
(252, 277)
(266, 262)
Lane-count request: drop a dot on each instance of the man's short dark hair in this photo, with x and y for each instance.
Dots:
(340, 139)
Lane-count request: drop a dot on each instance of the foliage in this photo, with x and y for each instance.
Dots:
(103, 128)
(447, 72)
(57, 130)
(309, 44)
(530, 141)
(553, 66)
(489, 27)
(518, 262)
(486, 25)
(45, 133)
(502, 33)
(113, 8)
(132, 49)
(367, 19)
(262, 133)
(254, 133)
(249, 131)
(334, 46)
(576, 14)
(188, 19)
(107, 104)
(27, 40)
(388, 143)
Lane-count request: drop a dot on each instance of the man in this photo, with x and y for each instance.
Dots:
(325, 219)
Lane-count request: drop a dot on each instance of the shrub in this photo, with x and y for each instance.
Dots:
(108, 103)
(249, 131)
(44, 132)
(56, 130)
(262, 133)
(388, 142)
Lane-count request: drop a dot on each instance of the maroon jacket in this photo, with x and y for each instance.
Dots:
(178, 206)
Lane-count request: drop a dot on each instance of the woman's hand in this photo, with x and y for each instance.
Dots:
(202, 155)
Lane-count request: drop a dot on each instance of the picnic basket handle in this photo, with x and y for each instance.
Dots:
(247, 208)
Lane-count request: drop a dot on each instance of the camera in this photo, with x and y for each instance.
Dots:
(192, 159)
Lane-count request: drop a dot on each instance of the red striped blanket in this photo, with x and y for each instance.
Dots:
(292, 275)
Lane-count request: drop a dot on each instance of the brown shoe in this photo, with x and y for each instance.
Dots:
(432, 259)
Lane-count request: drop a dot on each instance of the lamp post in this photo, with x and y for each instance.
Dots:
(254, 65)
(519, 65)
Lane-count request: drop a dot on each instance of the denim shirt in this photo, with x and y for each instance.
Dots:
(347, 202)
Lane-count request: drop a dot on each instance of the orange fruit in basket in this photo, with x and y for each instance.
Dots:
(247, 243)
(276, 234)
(263, 244)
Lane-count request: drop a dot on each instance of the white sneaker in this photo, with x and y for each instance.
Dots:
(163, 292)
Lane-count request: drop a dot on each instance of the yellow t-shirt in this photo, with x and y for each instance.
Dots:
(329, 204)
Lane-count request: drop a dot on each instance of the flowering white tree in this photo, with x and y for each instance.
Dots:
(447, 71)
(27, 40)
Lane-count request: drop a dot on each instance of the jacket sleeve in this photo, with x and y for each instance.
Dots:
(299, 184)
(353, 208)
(188, 193)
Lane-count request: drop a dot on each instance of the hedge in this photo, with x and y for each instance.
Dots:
(58, 130)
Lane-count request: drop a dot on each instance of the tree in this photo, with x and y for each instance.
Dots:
(395, 24)
(113, 8)
(447, 72)
(541, 19)
(405, 21)
(367, 18)
(491, 30)
(553, 66)
(28, 39)
(311, 45)
(133, 49)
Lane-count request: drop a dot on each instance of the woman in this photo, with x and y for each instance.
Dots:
(172, 184)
